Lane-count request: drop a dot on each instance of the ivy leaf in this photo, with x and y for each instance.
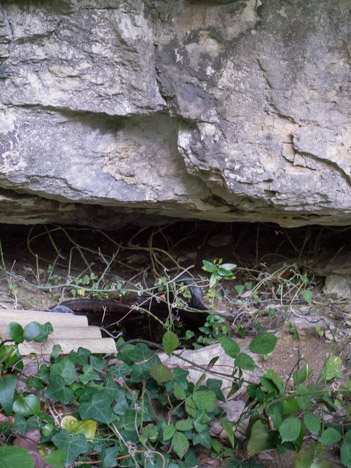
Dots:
(258, 438)
(109, 455)
(7, 392)
(27, 405)
(330, 436)
(180, 444)
(203, 438)
(88, 374)
(263, 343)
(290, 429)
(23, 425)
(73, 444)
(86, 427)
(230, 347)
(16, 332)
(56, 458)
(34, 331)
(170, 342)
(161, 373)
(66, 369)
(99, 408)
(12, 456)
(122, 404)
(141, 353)
(57, 390)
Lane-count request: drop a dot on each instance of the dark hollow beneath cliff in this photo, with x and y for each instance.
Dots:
(43, 266)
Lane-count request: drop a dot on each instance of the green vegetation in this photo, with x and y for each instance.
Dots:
(93, 410)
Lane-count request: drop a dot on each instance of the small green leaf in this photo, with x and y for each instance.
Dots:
(149, 433)
(179, 391)
(12, 456)
(209, 266)
(213, 279)
(184, 425)
(299, 441)
(307, 296)
(228, 427)
(263, 343)
(312, 422)
(244, 362)
(161, 373)
(190, 407)
(345, 453)
(302, 375)
(170, 342)
(258, 438)
(290, 429)
(230, 347)
(229, 266)
(205, 400)
(7, 392)
(330, 436)
(216, 446)
(16, 332)
(272, 382)
(304, 400)
(275, 414)
(332, 369)
(180, 444)
(290, 406)
(303, 460)
(168, 432)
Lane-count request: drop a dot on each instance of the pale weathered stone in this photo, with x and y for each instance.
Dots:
(219, 110)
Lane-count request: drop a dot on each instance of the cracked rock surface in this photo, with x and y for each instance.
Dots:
(218, 110)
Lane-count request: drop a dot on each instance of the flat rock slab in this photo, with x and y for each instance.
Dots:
(70, 332)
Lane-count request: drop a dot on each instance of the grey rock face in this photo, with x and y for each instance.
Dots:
(218, 110)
